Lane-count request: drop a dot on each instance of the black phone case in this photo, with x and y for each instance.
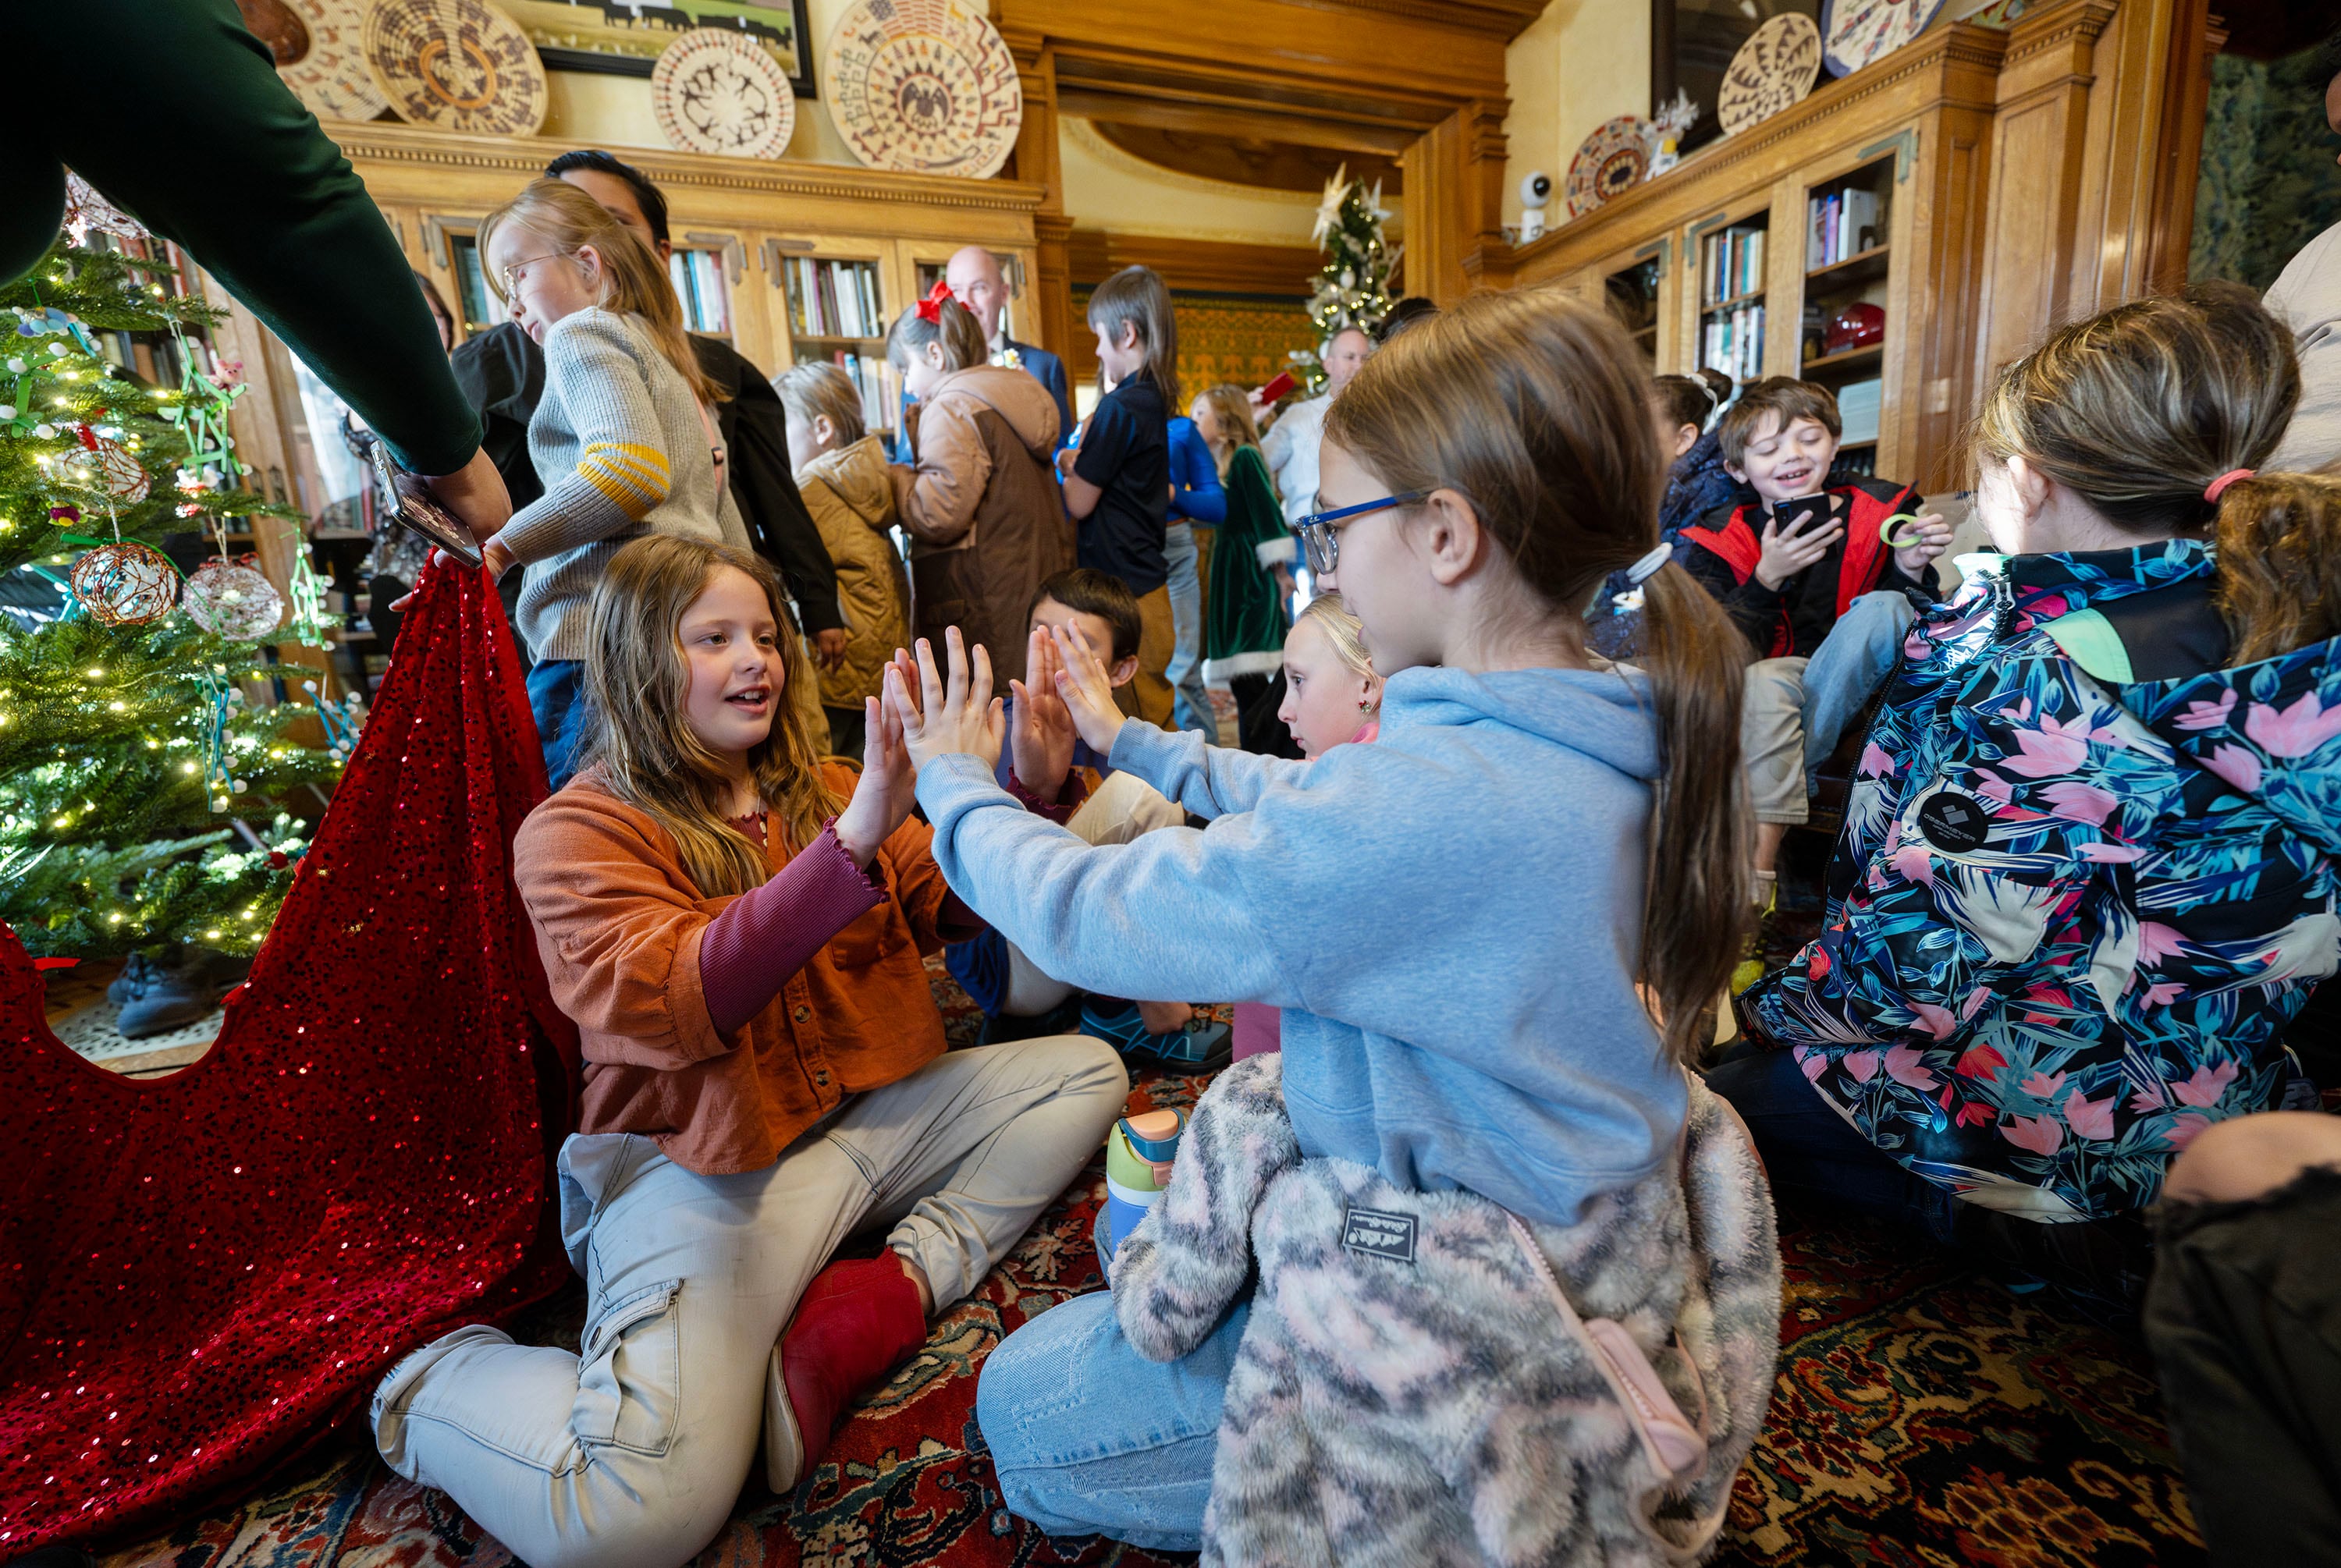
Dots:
(413, 508)
(1824, 508)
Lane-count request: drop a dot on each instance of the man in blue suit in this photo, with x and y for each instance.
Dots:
(972, 274)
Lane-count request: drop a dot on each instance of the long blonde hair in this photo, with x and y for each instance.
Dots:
(1233, 412)
(637, 685)
(1344, 632)
(633, 284)
(1537, 411)
(2141, 408)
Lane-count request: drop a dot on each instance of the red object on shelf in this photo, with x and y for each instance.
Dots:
(202, 1275)
(1859, 326)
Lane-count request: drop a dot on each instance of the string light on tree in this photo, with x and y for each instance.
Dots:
(1353, 287)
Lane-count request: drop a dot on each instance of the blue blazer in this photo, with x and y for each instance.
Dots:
(1039, 363)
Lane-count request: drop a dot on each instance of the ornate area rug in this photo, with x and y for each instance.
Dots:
(1923, 1418)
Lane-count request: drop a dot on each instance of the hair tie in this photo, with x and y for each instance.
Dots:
(931, 308)
(1645, 569)
(2218, 487)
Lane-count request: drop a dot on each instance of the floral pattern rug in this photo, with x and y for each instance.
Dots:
(1923, 1417)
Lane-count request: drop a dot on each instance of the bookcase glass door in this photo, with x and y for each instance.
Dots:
(837, 316)
(1844, 325)
(704, 292)
(1732, 313)
(1632, 298)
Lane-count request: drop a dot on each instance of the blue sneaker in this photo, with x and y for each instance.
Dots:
(1204, 1045)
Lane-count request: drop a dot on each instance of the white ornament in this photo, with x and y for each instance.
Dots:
(232, 601)
(1329, 207)
(8, 411)
(15, 366)
(57, 351)
(45, 432)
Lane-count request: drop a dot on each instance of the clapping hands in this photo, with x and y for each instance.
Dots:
(882, 796)
(1041, 741)
(1079, 673)
(942, 716)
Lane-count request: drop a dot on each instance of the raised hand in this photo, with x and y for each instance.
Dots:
(950, 715)
(882, 797)
(1087, 688)
(1929, 537)
(1788, 551)
(1041, 741)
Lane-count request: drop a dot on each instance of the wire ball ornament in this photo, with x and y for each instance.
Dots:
(232, 599)
(125, 584)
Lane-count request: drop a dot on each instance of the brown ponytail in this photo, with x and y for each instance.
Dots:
(954, 327)
(1537, 411)
(2279, 544)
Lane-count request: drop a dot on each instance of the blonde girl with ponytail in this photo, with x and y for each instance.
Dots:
(623, 439)
(1492, 933)
(2088, 871)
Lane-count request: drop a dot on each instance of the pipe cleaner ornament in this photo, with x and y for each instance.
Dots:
(231, 599)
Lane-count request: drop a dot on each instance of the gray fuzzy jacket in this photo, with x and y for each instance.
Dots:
(1426, 1379)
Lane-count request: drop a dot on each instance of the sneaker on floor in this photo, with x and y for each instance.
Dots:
(1203, 1046)
(1753, 946)
(857, 1321)
(157, 995)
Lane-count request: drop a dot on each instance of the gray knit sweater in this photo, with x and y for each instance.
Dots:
(619, 444)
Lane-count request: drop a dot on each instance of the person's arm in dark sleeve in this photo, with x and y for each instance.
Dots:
(279, 217)
(501, 372)
(1054, 380)
(757, 432)
(1753, 608)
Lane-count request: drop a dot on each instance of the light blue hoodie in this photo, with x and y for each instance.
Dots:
(1449, 918)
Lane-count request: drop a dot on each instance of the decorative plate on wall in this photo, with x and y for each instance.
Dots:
(329, 75)
(1855, 31)
(458, 64)
(1611, 161)
(1773, 70)
(715, 90)
(924, 85)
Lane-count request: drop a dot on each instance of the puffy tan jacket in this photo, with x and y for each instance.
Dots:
(619, 922)
(851, 498)
(987, 523)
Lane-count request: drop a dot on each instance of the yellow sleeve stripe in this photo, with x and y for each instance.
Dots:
(634, 478)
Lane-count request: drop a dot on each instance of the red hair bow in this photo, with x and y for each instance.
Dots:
(931, 308)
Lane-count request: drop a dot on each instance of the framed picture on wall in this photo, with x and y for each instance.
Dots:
(1691, 45)
(623, 39)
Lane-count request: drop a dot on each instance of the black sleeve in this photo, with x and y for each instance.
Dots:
(1753, 608)
(501, 372)
(1106, 445)
(755, 425)
(275, 214)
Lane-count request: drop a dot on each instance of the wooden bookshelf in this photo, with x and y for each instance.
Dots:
(1999, 184)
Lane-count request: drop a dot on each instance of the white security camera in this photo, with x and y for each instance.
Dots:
(1536, 189)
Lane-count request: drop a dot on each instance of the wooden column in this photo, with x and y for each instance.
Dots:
(1052, 286)
(1455, 202)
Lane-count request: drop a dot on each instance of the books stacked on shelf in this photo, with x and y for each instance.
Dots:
(1859, 404)
(1842, 223)
(835, 298)
(1734, 264)
(698, 278)
(875, 379)
(1733, 342)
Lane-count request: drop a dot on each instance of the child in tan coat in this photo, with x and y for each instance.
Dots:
(841, 474)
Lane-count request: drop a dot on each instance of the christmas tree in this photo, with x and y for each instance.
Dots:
(143, 790)
(1353, 287)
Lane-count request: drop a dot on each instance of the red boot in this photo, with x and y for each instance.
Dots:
(857, 1321)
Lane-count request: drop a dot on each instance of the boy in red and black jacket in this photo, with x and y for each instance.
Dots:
(1818, 584)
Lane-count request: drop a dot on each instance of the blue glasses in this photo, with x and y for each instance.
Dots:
(1324, 541)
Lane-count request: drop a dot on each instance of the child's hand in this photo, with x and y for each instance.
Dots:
(882, 797)
(946, 717)
(1041, 741)
(1933, 536)
(1087, 687)
(1065, 459)
(1787, 551)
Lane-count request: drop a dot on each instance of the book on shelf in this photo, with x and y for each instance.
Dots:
(1733, 342)
(1859, 405)
(1841, 224)
(834, 299)
(697, 279)
(879, 386)
(1734, 264)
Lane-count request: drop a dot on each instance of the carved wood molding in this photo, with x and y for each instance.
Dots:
(1507, 19)
(418, 148)
(1207, 266)
(2049, 29)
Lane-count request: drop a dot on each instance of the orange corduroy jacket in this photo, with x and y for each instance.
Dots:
(619, 923)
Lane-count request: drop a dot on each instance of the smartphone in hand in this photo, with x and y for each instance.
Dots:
(414, 507)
